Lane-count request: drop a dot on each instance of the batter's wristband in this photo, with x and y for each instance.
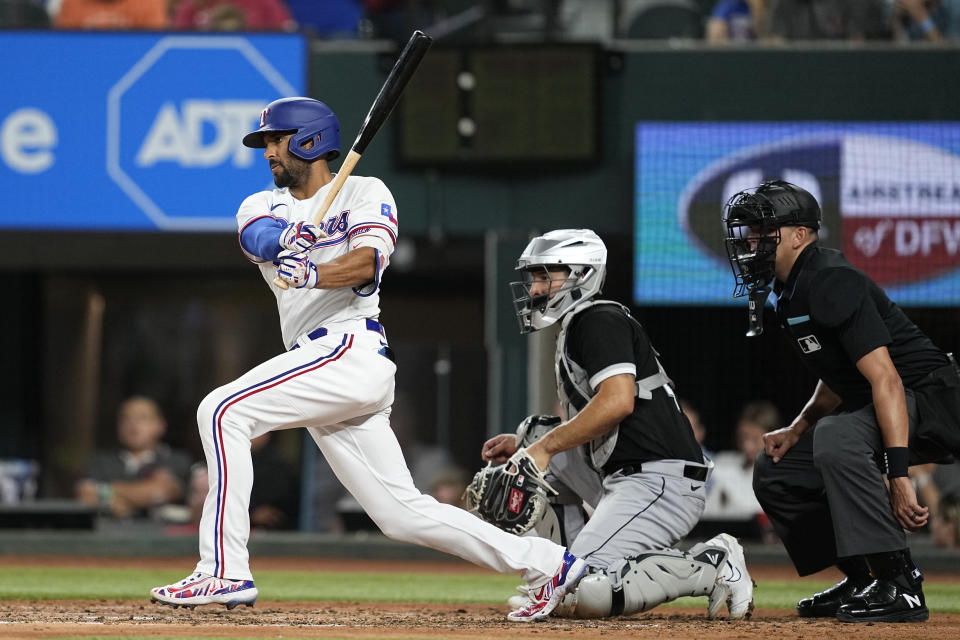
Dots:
(896, 461)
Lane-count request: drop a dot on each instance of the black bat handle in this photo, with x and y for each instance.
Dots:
(389, 95)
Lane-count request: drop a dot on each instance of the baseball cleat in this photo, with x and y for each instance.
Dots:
(733, 584)
(824, 604)
(543, 599)
(202, 588)
(885, 601)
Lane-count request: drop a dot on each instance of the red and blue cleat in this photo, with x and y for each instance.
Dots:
(203, 588)
(543, 599)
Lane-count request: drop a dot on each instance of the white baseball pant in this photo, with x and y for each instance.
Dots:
(340, 388)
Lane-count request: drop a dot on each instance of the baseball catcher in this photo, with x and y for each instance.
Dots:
(626, 452)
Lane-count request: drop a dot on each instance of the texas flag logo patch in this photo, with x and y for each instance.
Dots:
(387, 212)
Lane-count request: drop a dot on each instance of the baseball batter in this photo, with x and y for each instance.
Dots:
(626, 449)
(335, 379)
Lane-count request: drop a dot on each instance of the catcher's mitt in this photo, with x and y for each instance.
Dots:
(512, 496)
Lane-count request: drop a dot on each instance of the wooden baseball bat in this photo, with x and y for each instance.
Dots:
(386, 100)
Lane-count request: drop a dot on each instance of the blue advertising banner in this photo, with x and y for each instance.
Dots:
(127, 131)
(889, 192)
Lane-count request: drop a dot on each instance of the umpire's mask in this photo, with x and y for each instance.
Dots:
(753, 219)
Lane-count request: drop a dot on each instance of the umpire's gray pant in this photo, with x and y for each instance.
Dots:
(826, 497)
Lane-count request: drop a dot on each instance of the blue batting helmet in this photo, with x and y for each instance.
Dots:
(307, 119)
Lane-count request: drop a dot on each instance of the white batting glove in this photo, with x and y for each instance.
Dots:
(297, 270)
(300, 236)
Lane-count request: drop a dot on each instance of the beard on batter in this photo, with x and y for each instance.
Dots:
(293, 172)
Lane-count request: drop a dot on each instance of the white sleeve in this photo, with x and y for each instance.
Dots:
(374, 224)
(374, 217)
(253, 207)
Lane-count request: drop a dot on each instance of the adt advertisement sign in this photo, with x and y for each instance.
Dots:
(889, 194)
(137, 132)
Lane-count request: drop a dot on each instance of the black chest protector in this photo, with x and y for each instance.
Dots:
(573, 385)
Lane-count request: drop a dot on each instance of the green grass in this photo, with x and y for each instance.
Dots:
(72, 583)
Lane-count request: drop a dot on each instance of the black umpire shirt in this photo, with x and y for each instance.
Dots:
(833, 315)
(603, 336)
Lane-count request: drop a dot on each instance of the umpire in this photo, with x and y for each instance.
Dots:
(887, 398)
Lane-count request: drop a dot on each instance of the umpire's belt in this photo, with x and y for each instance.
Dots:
(667, 468)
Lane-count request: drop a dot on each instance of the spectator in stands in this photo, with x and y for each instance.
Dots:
(233, 15)
(23, 14)
(938, 488)
(696, 423)
(448, 484)
(275, 499)
(731, 497)
(197, 491)
(699, 432)
(946, 525)
(396, 19)
(737, 21)
(111, 14)
(827, 20)
(931, 20)
(328, 19)
(142, 472)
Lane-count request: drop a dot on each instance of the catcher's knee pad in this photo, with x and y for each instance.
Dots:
(650, 579)
(592, 599)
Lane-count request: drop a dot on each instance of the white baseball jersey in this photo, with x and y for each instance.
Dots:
(363, 214)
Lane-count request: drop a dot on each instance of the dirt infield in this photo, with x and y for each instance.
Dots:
(393, 620)
(77, 618)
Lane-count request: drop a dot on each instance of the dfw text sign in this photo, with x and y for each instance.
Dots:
(139, 132)
(889, 193)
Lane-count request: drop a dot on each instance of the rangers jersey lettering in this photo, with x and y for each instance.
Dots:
(363, 214)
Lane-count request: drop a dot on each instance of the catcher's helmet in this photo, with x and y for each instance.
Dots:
(582, 252)
(307, 119)
(753, 219)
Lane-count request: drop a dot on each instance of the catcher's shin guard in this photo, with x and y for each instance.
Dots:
(644, 582)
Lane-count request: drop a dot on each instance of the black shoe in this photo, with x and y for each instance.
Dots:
(824, 604)
(885, 601)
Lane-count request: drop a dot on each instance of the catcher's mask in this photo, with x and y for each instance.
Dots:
(561, 270)
(753, 219)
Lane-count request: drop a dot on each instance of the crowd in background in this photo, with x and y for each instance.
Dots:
(140, 477)
(716, 21)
